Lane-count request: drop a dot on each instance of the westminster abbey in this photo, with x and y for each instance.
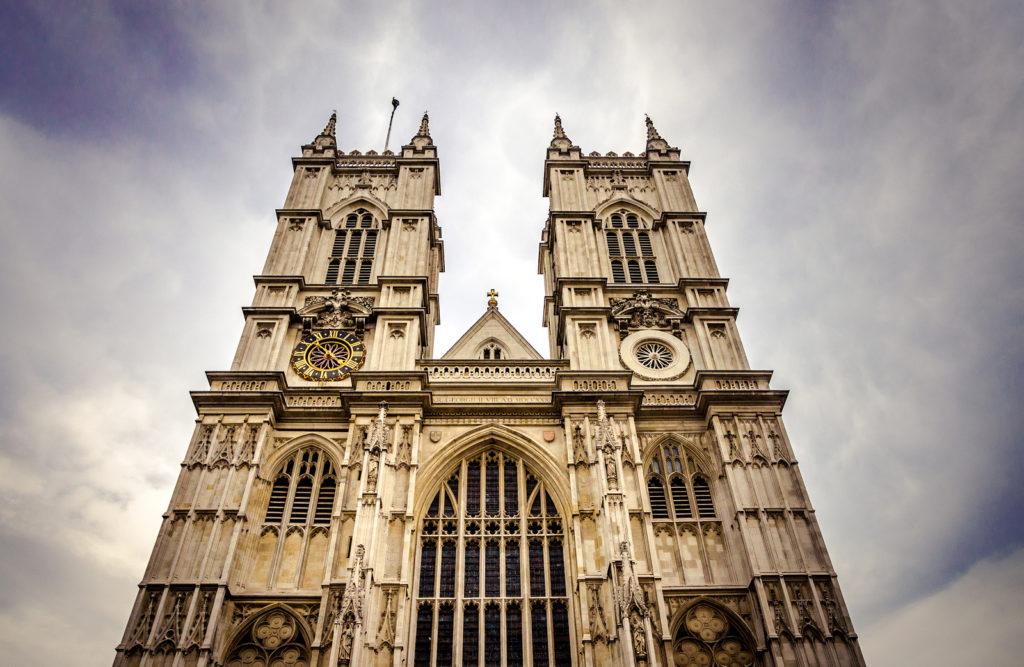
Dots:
(349, 498)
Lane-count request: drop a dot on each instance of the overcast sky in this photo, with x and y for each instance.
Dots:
(861, 166)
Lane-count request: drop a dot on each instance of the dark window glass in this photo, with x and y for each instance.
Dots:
(531, 484)
(492, 570)
(471, 636)
(537, 568)
(473, 488)
(555, 566)
(492, 635)
(511, 489)
(447, 589)
(472, 583)
(492, 491)
(702, 494)
(427, 566)
(539, 627)
(424, 631)
(512, 569)
(445, 630)
(513, 635)
(560, 628)
(659, 506)
(434, 506)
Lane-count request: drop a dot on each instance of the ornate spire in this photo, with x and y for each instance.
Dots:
(652, 133)
(330, 128)
(560, 141)
(559, 132)
(424, 126)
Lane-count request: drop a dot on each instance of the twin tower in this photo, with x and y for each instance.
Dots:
(348, 498)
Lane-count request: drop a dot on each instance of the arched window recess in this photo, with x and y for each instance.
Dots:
(677, 487)
(353, 249)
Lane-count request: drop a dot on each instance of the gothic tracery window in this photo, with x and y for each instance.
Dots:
(688, 493)
(630, 252)
(708, 638)
(273, 639)
(492, 568)
(355, 244)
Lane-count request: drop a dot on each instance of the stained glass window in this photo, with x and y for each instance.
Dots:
(519, 552)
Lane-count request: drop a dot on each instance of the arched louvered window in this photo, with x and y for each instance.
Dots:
(355, 245)
(689, 497)
(492, 567)
(303, 492)
(635, 247)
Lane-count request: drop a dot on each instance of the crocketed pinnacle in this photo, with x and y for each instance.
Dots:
(424, 126)
(559, 132)
(330, 128)
(652, 133)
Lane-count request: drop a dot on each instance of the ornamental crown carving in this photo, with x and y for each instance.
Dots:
(643, 311)
(339, 310)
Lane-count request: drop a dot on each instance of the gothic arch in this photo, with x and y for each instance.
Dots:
(276, 458)
(337, 212)
(604, 209)
(699, 457)
(434, 472)
(276, 630)
(705, 634)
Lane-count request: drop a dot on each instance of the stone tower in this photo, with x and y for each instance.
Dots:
(349, 499)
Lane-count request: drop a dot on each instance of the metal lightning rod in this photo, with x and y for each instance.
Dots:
(394, 107)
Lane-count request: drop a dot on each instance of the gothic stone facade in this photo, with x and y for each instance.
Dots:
(633, 500)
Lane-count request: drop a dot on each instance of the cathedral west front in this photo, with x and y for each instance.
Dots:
(349, 498)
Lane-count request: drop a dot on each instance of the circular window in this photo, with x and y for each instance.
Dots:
(654, 355)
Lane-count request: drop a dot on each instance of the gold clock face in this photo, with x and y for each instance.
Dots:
(328, 354)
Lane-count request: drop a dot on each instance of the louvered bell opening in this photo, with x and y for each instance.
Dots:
(339, 243)
(353, 246)
(349, 272)
(278, 497)
(613, 244)
(659, 504)
(618, 274)
(351, 220)
(366, 220)
(300, 505)
(652, 272)
(628, 245)
(634, 272)
(632, 222)
(645, 245)
(702, 494)
(332, 272)
(617, 221)
(364, 272)
(680, 501)
(371, 244)
(324, 502)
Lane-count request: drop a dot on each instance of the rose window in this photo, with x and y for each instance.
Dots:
(654, 355)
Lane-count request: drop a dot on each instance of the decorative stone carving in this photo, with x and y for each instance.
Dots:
(777, 606)
(833, 617)
(226, 447)
(340, 309)
(734, 453)
(776, 445)
(202, 448)
(386, 627)
(598, 626)
(140, 633)
(403, 455)
(579, 445)
(639, 636)
(803, 606)
(755, 444)
(296, 224)
(170, 628)
(642, 311)
(247, 452)
(197, 629)
(376, 437)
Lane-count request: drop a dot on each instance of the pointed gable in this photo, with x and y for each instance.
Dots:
(492, 332)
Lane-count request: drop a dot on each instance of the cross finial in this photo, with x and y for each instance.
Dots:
(492, 301)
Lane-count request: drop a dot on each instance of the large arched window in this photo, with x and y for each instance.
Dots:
(630, 252)
(491, 582)
(688, 493)
(290, 549)
(355, 244)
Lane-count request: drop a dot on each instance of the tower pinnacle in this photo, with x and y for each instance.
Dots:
(559, 132)
(331, 127)
(424, 126)
(652, 132)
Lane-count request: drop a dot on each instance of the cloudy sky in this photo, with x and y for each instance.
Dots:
(862, 169)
